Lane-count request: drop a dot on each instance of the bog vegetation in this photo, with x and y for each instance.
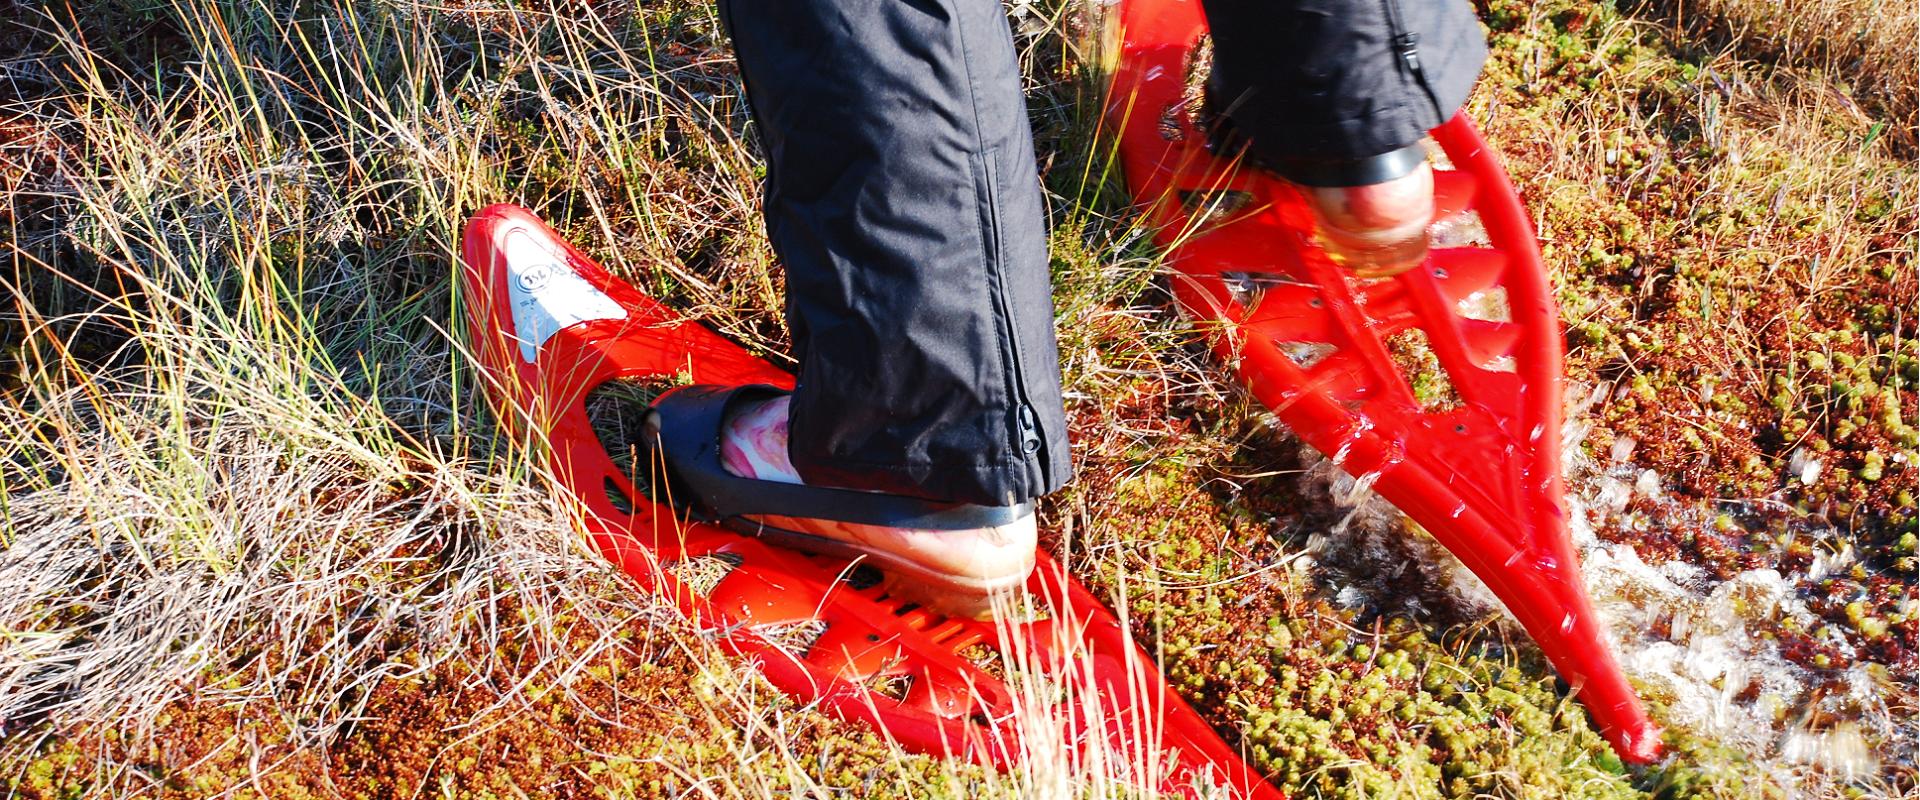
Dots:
(260, 538)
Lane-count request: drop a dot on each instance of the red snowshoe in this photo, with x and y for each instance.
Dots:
(548, 326)
(1478, 466)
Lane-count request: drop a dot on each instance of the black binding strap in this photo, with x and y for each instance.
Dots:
(1353, 172)
(687, 423)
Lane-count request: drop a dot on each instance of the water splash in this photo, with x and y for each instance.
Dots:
(1803, 465)
(1707, 650)
(1704, 648)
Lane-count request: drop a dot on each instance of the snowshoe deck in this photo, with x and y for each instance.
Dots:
(549, 326)
(1470, 451)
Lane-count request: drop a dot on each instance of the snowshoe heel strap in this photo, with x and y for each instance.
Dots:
(687, 424)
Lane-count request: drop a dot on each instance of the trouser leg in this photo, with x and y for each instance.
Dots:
(902, 197)
(1307, 82)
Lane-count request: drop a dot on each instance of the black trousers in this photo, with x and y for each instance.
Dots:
(902, 196)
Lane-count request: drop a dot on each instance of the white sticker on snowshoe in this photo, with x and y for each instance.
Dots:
(547, 295)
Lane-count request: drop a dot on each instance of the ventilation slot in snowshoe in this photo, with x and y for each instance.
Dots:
(796, 638)
(1208, 207)
(894, 686)
(985, 659)
(1431, 387)
(617, 410)
(1307, 354)
(861, 577)
(617, 496)
(701, 573)
(1487, 305)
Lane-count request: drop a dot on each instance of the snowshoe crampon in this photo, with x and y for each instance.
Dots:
(1470, 451)
(1059, 679)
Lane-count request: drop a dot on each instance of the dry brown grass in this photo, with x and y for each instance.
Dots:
(1870, 46)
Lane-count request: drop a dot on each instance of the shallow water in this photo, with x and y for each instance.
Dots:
(1700, 646)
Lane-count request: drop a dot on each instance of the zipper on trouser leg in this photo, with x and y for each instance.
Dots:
(1029, 446)
(1406, 44)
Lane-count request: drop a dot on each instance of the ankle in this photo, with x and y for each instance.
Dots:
(753, 443)
(1371, 213)
(1378, 229)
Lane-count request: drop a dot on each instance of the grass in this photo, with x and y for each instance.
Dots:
(261, 537)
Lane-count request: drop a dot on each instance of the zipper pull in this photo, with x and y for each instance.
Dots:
(1409, 44)
(1030, 431)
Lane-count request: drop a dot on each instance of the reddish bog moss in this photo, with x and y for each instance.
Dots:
(634, 720)
(1751, 333)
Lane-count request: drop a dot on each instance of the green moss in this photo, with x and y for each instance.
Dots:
(1873, 466)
